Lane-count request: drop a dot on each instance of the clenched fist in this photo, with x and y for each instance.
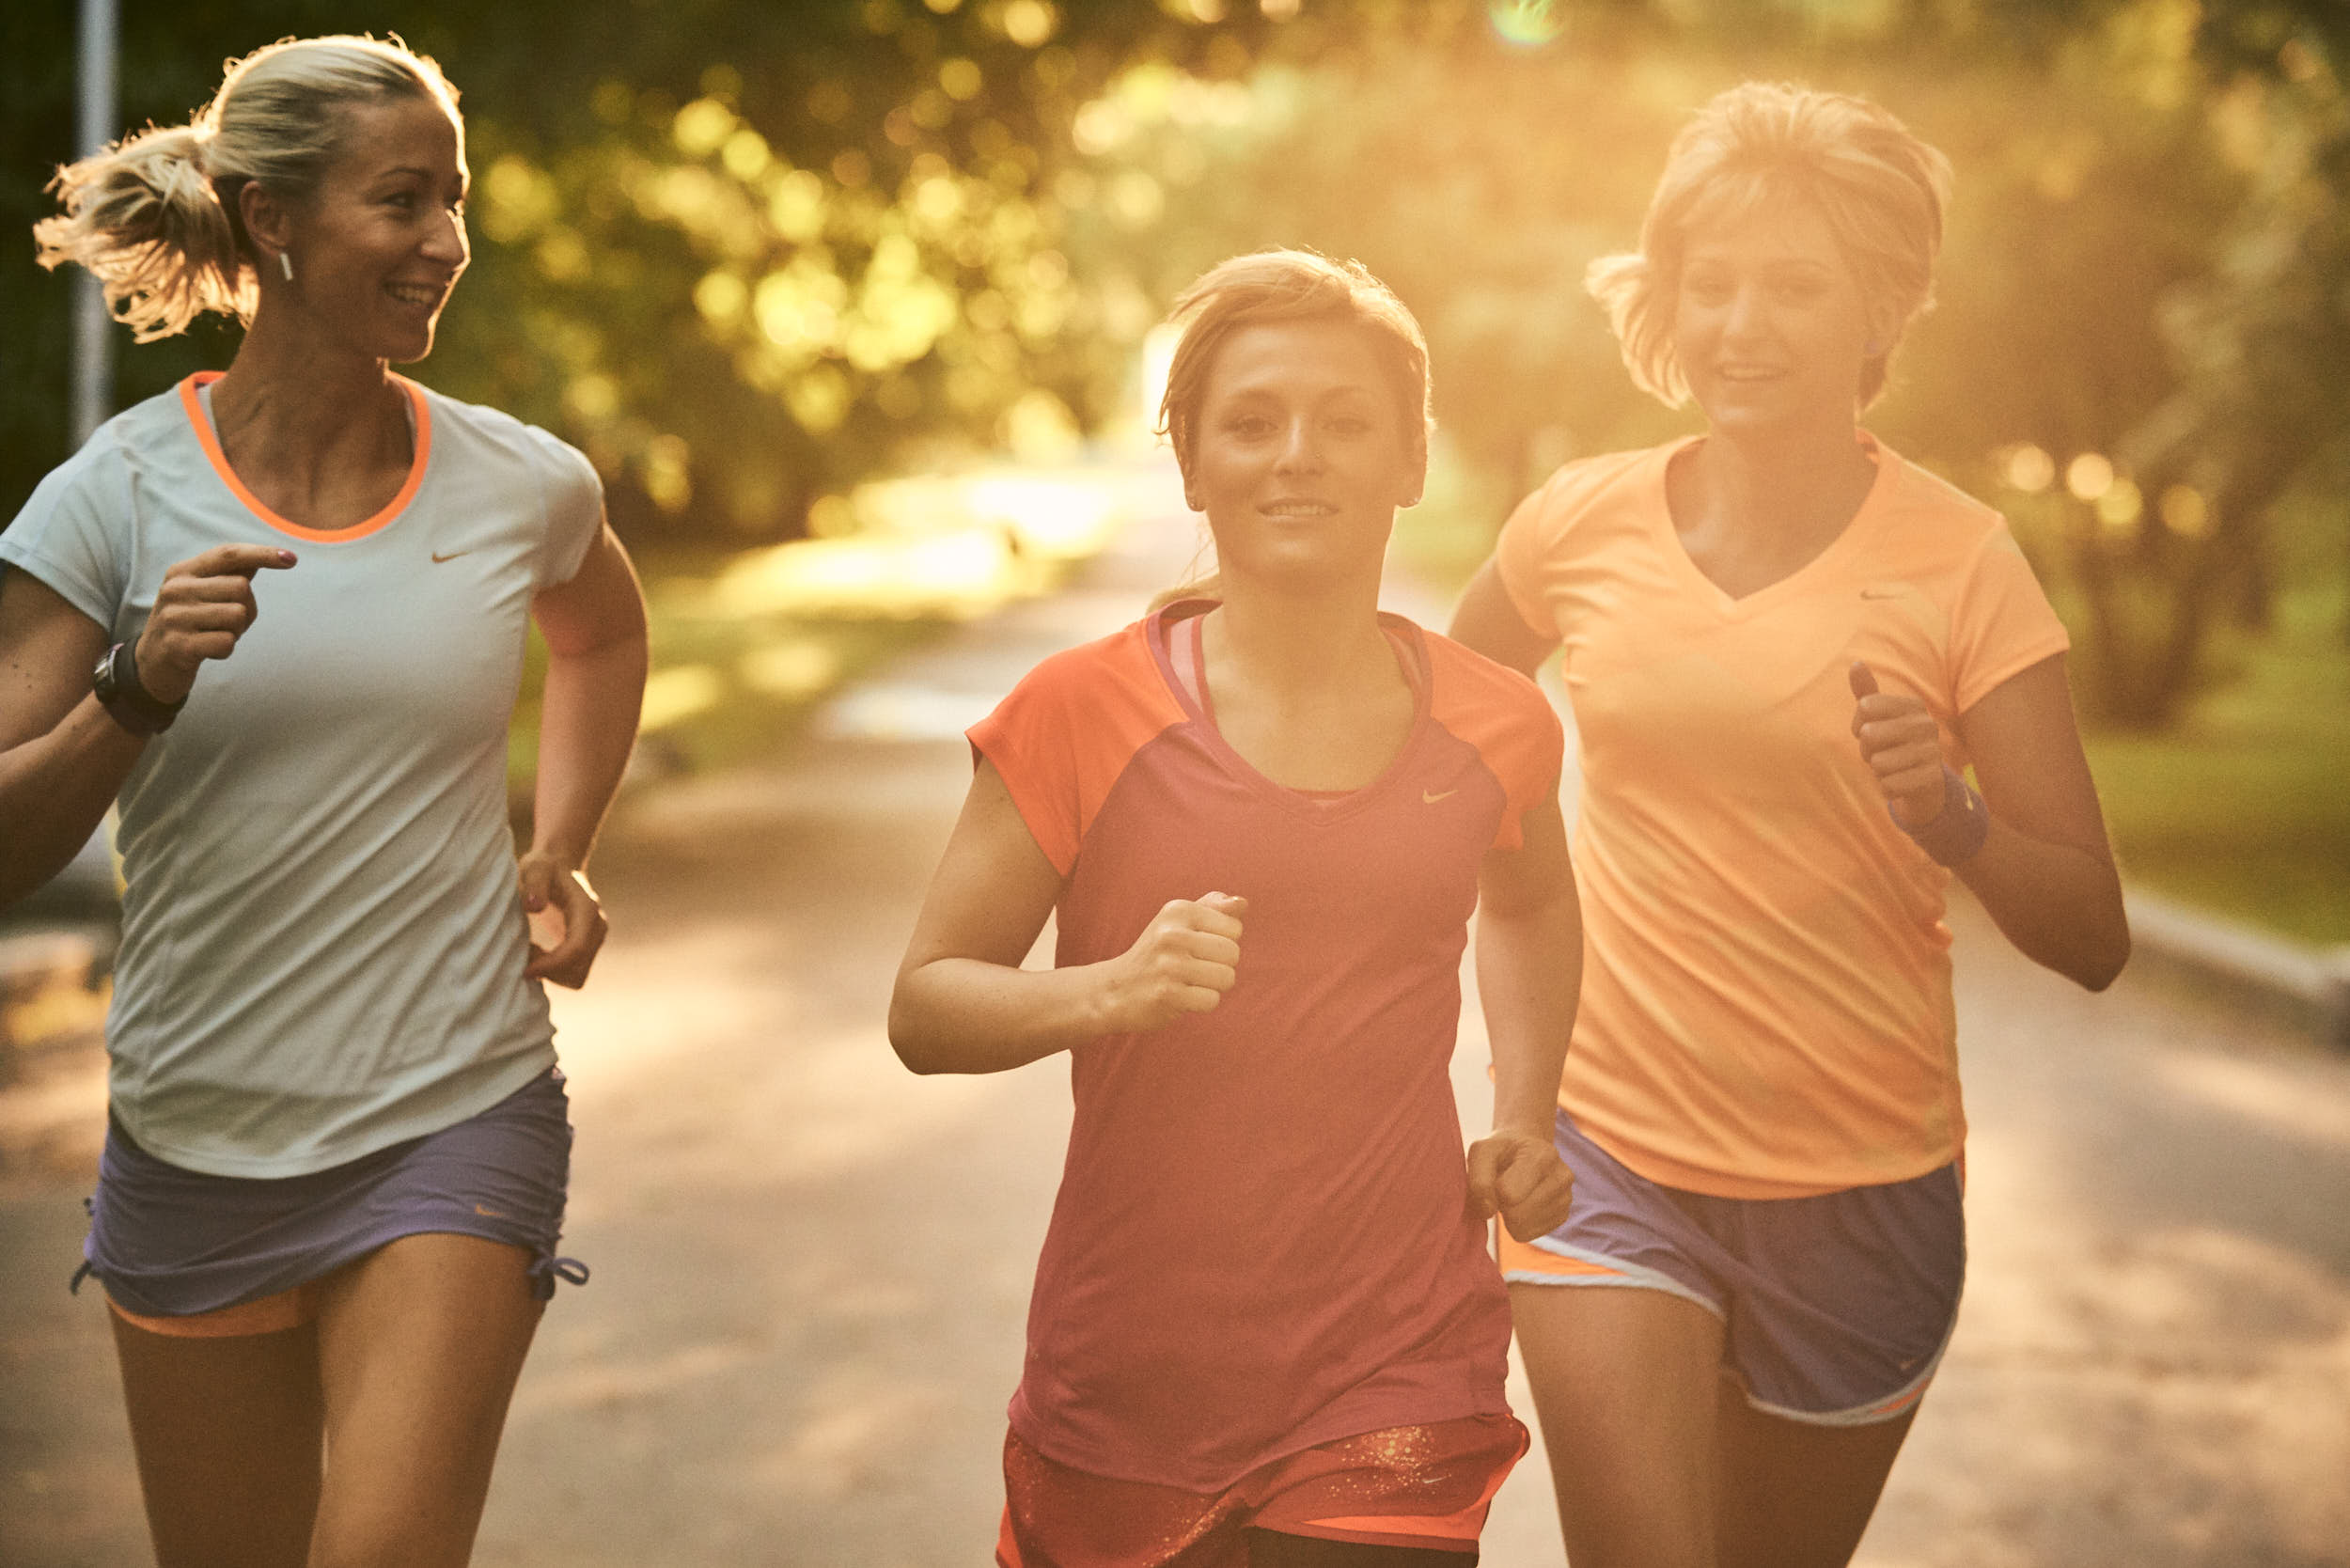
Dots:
(1183, 961)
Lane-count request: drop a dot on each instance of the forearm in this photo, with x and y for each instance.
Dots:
(967, 1015)
(54, 790)
(2059, 905)
(1529, 970)
(588, 723)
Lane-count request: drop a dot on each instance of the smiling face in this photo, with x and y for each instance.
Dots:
(379, 248)
(1299, 454)
(1770, 325)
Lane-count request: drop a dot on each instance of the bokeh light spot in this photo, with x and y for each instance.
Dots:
(2088, 475)
(1528, 24)
(1029, 22)
(2029, 468)
(2186, 513)
(2119, 507)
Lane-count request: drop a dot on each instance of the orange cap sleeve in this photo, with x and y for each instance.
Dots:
(1510, 722)
(1063, 735)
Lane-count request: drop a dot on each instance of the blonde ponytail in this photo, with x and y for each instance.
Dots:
(143, 216)
(155, 217)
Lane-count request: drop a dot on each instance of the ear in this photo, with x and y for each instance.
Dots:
(1415, 478)
(268, 222)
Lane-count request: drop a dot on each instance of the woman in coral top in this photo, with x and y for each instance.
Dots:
(1266, 1329)
(1784, 644)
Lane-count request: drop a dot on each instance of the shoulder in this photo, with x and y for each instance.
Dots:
(475, 434)
(1924, 492)
(1468, 692)
(1118, 669)
(1587, 486)
(1935, 530)
(103, 476)
(1594, 479)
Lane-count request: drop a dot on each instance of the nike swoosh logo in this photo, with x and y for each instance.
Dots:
(438, 557)
(1884, 590)
(487, 1213)
(1429, 797)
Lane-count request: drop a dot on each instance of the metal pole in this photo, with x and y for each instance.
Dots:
(93, 330)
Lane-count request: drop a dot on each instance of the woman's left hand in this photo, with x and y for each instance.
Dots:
(1520, 1176)
(566, 924)
(1900, 742)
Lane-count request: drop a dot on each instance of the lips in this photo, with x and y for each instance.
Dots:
(425, 295)
(1297, 508)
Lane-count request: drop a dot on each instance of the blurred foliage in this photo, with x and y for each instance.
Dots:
(748, 254)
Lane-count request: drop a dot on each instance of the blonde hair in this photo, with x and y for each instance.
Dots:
(1286, 286)
(1880, 189)
(155, 217)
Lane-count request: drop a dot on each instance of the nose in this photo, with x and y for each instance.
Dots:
(446, 242)
(1301, 452)
(1746, 315)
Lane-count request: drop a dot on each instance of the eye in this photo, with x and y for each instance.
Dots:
(1247, 424)
(1347, 425)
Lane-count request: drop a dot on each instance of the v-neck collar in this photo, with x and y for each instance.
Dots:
(1738, 606)
(1413, 647)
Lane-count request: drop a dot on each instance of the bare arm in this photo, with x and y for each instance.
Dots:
(62, 756)
(1487, 621)
(596, 659)
(2045, 872)
(1529, 969)
(963, 1004)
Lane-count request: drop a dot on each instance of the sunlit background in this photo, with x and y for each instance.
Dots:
(852, 305)
(783, 270)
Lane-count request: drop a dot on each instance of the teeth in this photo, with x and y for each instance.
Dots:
(1303, 508)
(412, 293)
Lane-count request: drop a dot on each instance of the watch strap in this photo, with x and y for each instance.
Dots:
(117, 686)
(1957, 832)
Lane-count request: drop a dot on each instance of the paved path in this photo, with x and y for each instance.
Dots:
(811, 1269)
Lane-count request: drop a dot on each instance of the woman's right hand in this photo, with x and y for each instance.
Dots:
(203, 605)
(1183, 961)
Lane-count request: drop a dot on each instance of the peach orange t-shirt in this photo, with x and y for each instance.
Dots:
(1766, 988)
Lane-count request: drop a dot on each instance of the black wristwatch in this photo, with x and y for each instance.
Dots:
(134, 708)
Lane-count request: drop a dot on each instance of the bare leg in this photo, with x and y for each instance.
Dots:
(420, 1345)
(1625, 1385)
(227, 1433)
(1794, 1495)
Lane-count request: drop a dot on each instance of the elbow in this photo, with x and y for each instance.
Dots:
(914, 1046)
(2099, 968)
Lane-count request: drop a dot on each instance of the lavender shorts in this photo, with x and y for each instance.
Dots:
(1835, 1308)
(169, 1243)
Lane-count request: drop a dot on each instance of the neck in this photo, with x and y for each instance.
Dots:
(290, 401)
(1301, 641)
(1786, 483)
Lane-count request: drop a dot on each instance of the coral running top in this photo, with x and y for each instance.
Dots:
(1261, 1239)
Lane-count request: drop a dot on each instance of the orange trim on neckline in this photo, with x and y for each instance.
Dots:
(209, 439)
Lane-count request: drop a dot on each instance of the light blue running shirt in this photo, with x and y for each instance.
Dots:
(323, 937)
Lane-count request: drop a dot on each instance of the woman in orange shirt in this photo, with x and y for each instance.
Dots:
(1784, 645)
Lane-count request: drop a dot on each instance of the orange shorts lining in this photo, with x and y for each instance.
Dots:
(269, 1314)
